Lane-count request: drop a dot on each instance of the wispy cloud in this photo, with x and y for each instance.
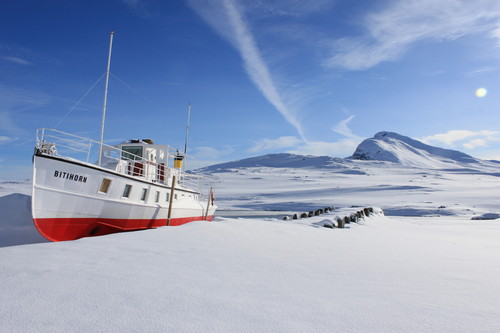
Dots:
(8, 124)
(211, 153)
(203, 156)
(226, 17)
(289, 8)
(297, 145)
(17, 60)
(24, 56)
(343, 128)
(290, 144)
(475, 143)
(13, 101)
(341, 148)
(464, 138)
(479, 71)
(449, 138)
(21, 99)
(496, 34)
(275, 144)
(5, 139)
(140, 7)
(391, 32)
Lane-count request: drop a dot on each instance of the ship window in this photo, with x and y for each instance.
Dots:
(126, 191)
(105, 185)
(167, 197)
(157, 196)
(131, 153)
(143, 195)
(175, 196)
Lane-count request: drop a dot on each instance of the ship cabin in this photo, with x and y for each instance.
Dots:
(143, 158)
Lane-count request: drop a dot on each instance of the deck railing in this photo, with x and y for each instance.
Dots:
(57, 143)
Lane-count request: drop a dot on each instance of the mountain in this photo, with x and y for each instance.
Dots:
(282, 160)
(393, 147)
(383, 147)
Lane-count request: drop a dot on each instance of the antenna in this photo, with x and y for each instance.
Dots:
(105, 95)
(187, 129)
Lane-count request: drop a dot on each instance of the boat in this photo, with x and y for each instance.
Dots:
(82, 187)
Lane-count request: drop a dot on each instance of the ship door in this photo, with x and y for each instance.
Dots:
(160, 172)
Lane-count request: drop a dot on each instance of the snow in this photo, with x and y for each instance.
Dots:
(16, 225)
(423, 266)
(283, 160)
(250, 275)
(393, 147)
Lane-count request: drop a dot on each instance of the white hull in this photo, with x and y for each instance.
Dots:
(68, 201)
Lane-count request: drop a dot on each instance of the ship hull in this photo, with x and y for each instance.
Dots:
(69, 201)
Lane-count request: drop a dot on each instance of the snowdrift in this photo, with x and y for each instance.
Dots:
(16, 225)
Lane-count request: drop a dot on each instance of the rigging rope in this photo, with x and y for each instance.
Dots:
(136, 91)
(93, 86)
(79, 101)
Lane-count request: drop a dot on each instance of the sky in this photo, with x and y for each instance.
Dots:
(306, 77)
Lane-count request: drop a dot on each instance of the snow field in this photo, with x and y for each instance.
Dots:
(248, 275)
(424, 266)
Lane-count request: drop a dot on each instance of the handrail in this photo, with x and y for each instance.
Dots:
(63, 144)
(90, 141)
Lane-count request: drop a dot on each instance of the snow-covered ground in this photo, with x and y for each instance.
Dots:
(424, 266)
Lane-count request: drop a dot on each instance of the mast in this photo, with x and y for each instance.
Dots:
(105, 95)
(187, 128)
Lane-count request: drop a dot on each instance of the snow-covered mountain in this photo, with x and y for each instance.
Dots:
(393, 147)
(282, 160)
(383, 147)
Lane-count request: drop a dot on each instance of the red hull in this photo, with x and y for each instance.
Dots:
(63, 229)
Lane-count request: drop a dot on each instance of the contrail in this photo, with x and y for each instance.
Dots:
(242, 39)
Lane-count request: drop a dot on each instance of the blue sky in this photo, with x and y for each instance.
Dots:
(308, 77)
